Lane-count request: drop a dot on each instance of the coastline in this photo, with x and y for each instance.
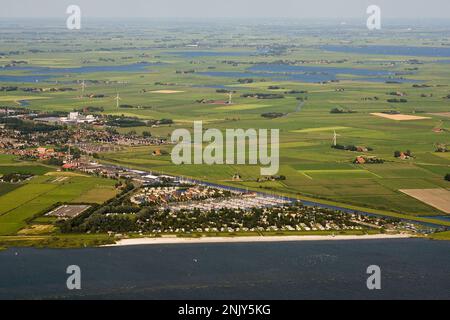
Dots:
(250, 239)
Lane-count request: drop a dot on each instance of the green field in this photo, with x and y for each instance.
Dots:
(337, 174)
(23, 203)
(7, 187)
(6, 159)
(24, 169)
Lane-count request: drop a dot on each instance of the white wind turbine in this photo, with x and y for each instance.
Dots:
(117, 98)
(335, 135)
(83, 87)
(230, 97)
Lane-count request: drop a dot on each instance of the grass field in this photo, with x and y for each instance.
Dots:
(7, 187)
(19, 98)
(6, 159)
(23, 203)
(240, 107)
(321, 129)
(24, 169)
(337, 174)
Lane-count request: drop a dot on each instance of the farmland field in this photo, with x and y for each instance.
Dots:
(438, 198)
(24, 169)
(6, 159)
(337, 174)
(7, 187)
(39, 194)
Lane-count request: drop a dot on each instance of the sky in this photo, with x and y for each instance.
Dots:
(227, 8)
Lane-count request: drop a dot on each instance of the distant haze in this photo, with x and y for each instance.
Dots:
(337, 9)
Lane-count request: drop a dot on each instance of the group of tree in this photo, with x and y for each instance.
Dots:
(125, 122)
(28, 127)
(407, 153)
(225, 91)
(9, 88)
(392, 112)
(126, 106)
(272, 115)
(272, 178)
(296, 92)
(339, 110)
(15, 177)
(246, 80)
(161, 122)
(402, 100)
(350, 148)
(263, 95)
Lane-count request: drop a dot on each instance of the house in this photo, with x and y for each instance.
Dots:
(236, 177)
(41, 150)
(360, 160)
(361, 149)
(403, 156)
(73, 116)
(69, 166)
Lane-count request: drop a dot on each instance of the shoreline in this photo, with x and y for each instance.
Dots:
(251, 239)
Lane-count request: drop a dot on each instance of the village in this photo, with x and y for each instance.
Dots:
(260, 218)
(178, 198)
(63, 139)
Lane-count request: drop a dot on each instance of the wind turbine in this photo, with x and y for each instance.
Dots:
(83, 87)
(335, 135)
(300, 106)
(117, 98)
(230, 97)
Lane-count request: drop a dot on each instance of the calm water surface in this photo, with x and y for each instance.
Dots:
(310, 74)
(411, 268)
(38, 74)
(391, 50)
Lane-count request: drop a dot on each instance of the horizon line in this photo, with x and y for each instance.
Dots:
(227, 17)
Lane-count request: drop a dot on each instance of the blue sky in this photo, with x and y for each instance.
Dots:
(228, 8)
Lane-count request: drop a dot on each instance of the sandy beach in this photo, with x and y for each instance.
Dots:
(175, 240)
